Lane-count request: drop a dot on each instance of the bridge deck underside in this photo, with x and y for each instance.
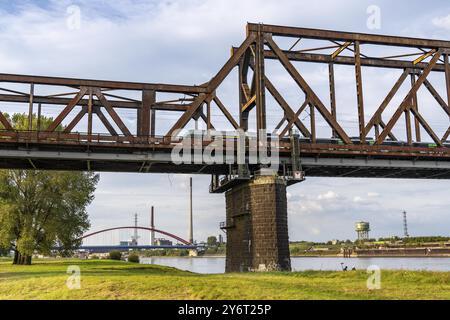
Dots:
(157, 159)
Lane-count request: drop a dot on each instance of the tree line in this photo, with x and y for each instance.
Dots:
(43, 211)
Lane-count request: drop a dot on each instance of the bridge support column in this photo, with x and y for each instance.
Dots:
(257, 228)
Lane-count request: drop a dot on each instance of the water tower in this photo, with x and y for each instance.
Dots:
(362, 229)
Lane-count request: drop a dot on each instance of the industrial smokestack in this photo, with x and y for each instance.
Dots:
(191, 231)
(152, 226)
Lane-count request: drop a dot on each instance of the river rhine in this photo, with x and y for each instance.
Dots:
(217, 264)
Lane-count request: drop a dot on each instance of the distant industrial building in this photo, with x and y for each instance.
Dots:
(128, 243)
(134, 238)
(163, 242)
(362, 230)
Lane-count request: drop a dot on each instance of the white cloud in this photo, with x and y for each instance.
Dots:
(308, 207)
(442, 22)
(328, 195)
(315, 231)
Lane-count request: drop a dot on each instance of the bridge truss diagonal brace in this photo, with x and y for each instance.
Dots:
(406, 103)
(98, 111)
(109, 108)
(437, 96)
(290, 115)
(73, 102)
(446, 135)
(295, 118)
(76, 120)
(315, 100)
(225, 112)
(5, 122)
(376, 118)
(100, 115)
(447, 85)
(426, 126)
(213, 85)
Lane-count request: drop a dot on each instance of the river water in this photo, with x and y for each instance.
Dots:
(217, 264)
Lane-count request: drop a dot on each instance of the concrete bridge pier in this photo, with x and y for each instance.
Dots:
(257, 227)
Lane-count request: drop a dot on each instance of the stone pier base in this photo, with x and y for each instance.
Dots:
(257, 228)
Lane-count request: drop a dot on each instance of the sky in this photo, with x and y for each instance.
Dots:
(187, 42)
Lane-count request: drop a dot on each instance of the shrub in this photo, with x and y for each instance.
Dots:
(115, 255)
(133, 257)
(184, 253)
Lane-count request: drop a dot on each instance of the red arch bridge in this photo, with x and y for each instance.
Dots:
(98, 248)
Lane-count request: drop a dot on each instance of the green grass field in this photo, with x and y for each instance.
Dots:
(46, 279)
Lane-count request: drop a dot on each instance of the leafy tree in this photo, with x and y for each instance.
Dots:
(211, 241)
(115, 255)
(133, 257)
(41, 210)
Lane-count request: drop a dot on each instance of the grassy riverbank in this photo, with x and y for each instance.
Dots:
(120, 280)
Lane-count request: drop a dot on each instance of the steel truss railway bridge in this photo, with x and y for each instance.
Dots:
(255, 202)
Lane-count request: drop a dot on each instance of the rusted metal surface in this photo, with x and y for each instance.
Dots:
(85, 102)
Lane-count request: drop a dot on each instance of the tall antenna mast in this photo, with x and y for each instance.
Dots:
(191, 231)
(405, 225)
